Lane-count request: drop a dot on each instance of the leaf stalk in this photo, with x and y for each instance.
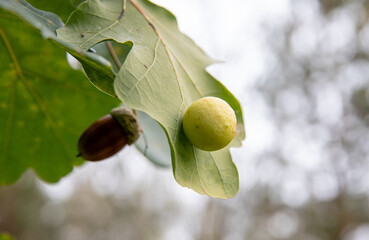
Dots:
(113, 54)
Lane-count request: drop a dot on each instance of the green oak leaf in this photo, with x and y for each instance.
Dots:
(44, 104)
(98, 69)
(162, 75)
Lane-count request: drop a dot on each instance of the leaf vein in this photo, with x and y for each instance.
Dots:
(106, 28)
(189, 76)
(165, 47)
(202, 181)
(148, 69)
(178, 123)
(220, 173)
(9, 124)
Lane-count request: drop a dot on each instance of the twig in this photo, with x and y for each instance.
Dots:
(113, 54)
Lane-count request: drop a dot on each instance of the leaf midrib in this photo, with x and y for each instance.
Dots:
(175, 55)
(187, 73)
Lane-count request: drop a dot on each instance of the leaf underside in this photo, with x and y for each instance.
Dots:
(162, 75)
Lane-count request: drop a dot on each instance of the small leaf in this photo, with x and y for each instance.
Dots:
(162, 75)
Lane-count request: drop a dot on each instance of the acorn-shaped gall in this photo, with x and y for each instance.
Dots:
(109, 135)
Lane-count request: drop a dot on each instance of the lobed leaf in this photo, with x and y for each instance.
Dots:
(162, 75)
(44, 104)
(98, 69)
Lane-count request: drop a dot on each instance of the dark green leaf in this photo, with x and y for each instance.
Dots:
(44, 104)
(98, 69)
(62, 8)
